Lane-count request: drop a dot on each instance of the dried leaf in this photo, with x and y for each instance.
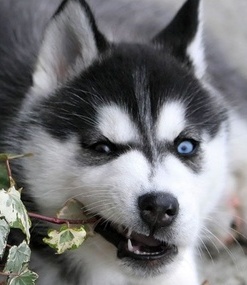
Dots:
(72, 210)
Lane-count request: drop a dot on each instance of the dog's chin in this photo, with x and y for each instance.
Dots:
(144, 253)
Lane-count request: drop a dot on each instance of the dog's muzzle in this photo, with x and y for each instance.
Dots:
(157, 210)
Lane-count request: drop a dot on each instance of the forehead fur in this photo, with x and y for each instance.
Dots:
(115, 124)
(171, 121)
(149, 84)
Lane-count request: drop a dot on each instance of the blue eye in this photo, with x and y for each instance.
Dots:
(186, 147)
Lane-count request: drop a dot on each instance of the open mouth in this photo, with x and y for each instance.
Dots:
(135, 245)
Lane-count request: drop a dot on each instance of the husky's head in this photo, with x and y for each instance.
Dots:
(132, 131)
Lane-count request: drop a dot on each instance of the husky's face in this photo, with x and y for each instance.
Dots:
(131, 132)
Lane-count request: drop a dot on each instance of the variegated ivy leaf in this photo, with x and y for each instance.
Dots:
(26, 277)
(13, 210)
(18, 257)
(65, 238)
(4, 232)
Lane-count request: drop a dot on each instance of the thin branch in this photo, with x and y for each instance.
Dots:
(11, 180)
(4, 274)
(58, 221)
(8, 168)
(8, 274)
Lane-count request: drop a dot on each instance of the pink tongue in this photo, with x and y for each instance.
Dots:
(146, 240)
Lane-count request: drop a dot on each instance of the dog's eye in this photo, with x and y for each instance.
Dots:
(186, 147)
(103, 147)
(107, 147)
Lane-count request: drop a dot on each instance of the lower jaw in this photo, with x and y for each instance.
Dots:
(147, 264)
(147, 268)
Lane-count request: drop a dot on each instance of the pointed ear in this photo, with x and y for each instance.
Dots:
(183, 37)
(71, 42)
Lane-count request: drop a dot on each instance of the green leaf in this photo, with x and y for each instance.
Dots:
(4, 180)
(4, 232)
(17, 258)
(26, 277)
(65, 238)
(14, 211)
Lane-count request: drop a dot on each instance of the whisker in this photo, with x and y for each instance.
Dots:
(229, 232)
(225, 248)
(211, 240)
(207, 250)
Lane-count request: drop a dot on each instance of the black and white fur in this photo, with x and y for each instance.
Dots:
(104, 120)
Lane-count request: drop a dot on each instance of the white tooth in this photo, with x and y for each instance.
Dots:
(137, 251)
(130, 247)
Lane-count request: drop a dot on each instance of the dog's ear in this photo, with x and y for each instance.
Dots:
(183, 37)
(71, 42)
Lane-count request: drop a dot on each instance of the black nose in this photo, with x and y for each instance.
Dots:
(158, 209)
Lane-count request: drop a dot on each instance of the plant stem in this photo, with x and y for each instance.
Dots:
(11, 180)
(4, 274)
(58, 221)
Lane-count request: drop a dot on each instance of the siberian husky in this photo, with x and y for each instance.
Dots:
(134, 130)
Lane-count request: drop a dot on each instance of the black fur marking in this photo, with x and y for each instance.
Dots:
(177, 36)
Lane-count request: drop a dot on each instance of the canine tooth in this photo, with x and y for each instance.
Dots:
(130, 247)
(137, 251)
